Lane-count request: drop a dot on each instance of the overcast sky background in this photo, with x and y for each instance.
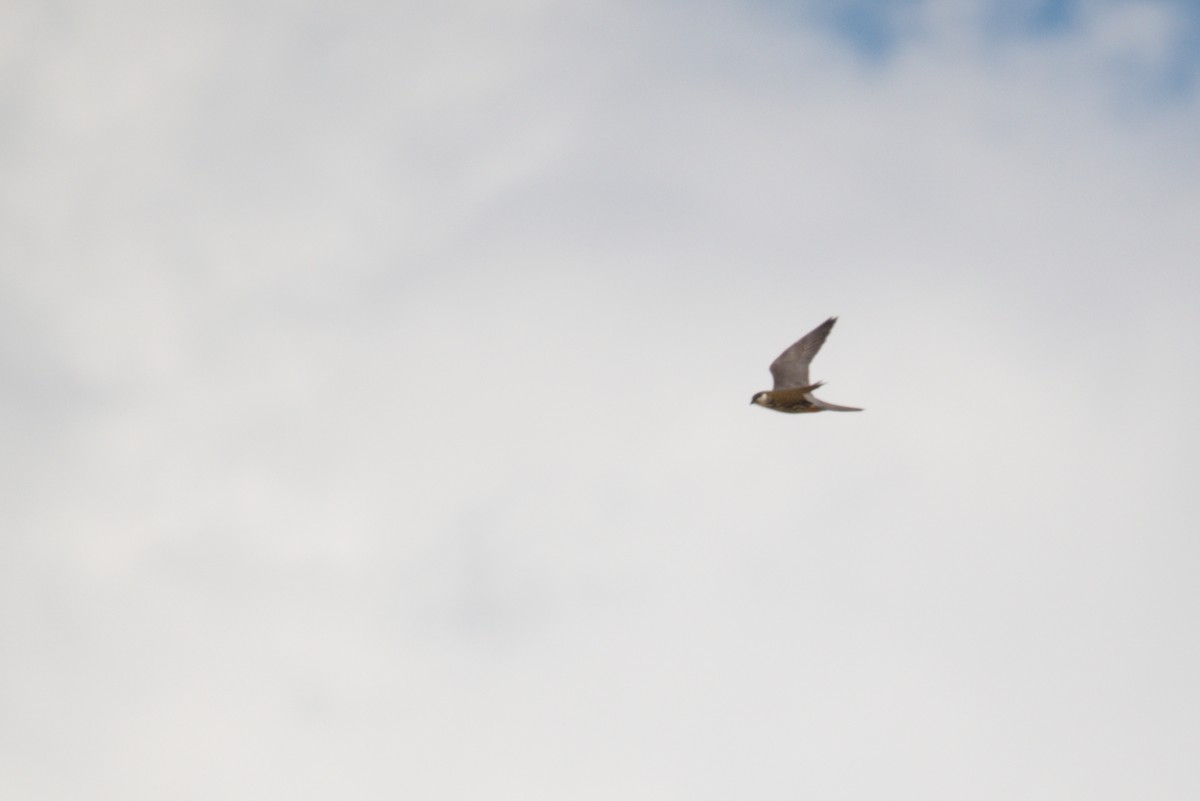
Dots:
(374, 386)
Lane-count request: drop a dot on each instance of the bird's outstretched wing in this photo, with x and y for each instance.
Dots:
(791, 368)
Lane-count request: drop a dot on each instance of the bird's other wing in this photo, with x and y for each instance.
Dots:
(832, 407)
(791, 368)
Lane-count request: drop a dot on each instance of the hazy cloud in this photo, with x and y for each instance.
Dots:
(374, 383)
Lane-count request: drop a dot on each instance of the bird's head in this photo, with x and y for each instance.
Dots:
(759, 398)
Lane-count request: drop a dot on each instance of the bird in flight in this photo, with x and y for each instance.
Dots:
(792, 392)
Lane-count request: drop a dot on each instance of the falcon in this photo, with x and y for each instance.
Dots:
(792, 392)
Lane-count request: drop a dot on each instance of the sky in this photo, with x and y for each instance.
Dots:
(374, 386)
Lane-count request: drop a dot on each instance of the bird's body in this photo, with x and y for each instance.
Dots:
(792, 401)
(792, 392)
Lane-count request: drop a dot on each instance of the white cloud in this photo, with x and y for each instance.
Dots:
(375, 408)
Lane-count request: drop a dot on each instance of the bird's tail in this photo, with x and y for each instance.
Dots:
(833, 407)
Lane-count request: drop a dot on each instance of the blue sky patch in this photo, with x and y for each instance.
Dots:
(869, 27)
(875, 29)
